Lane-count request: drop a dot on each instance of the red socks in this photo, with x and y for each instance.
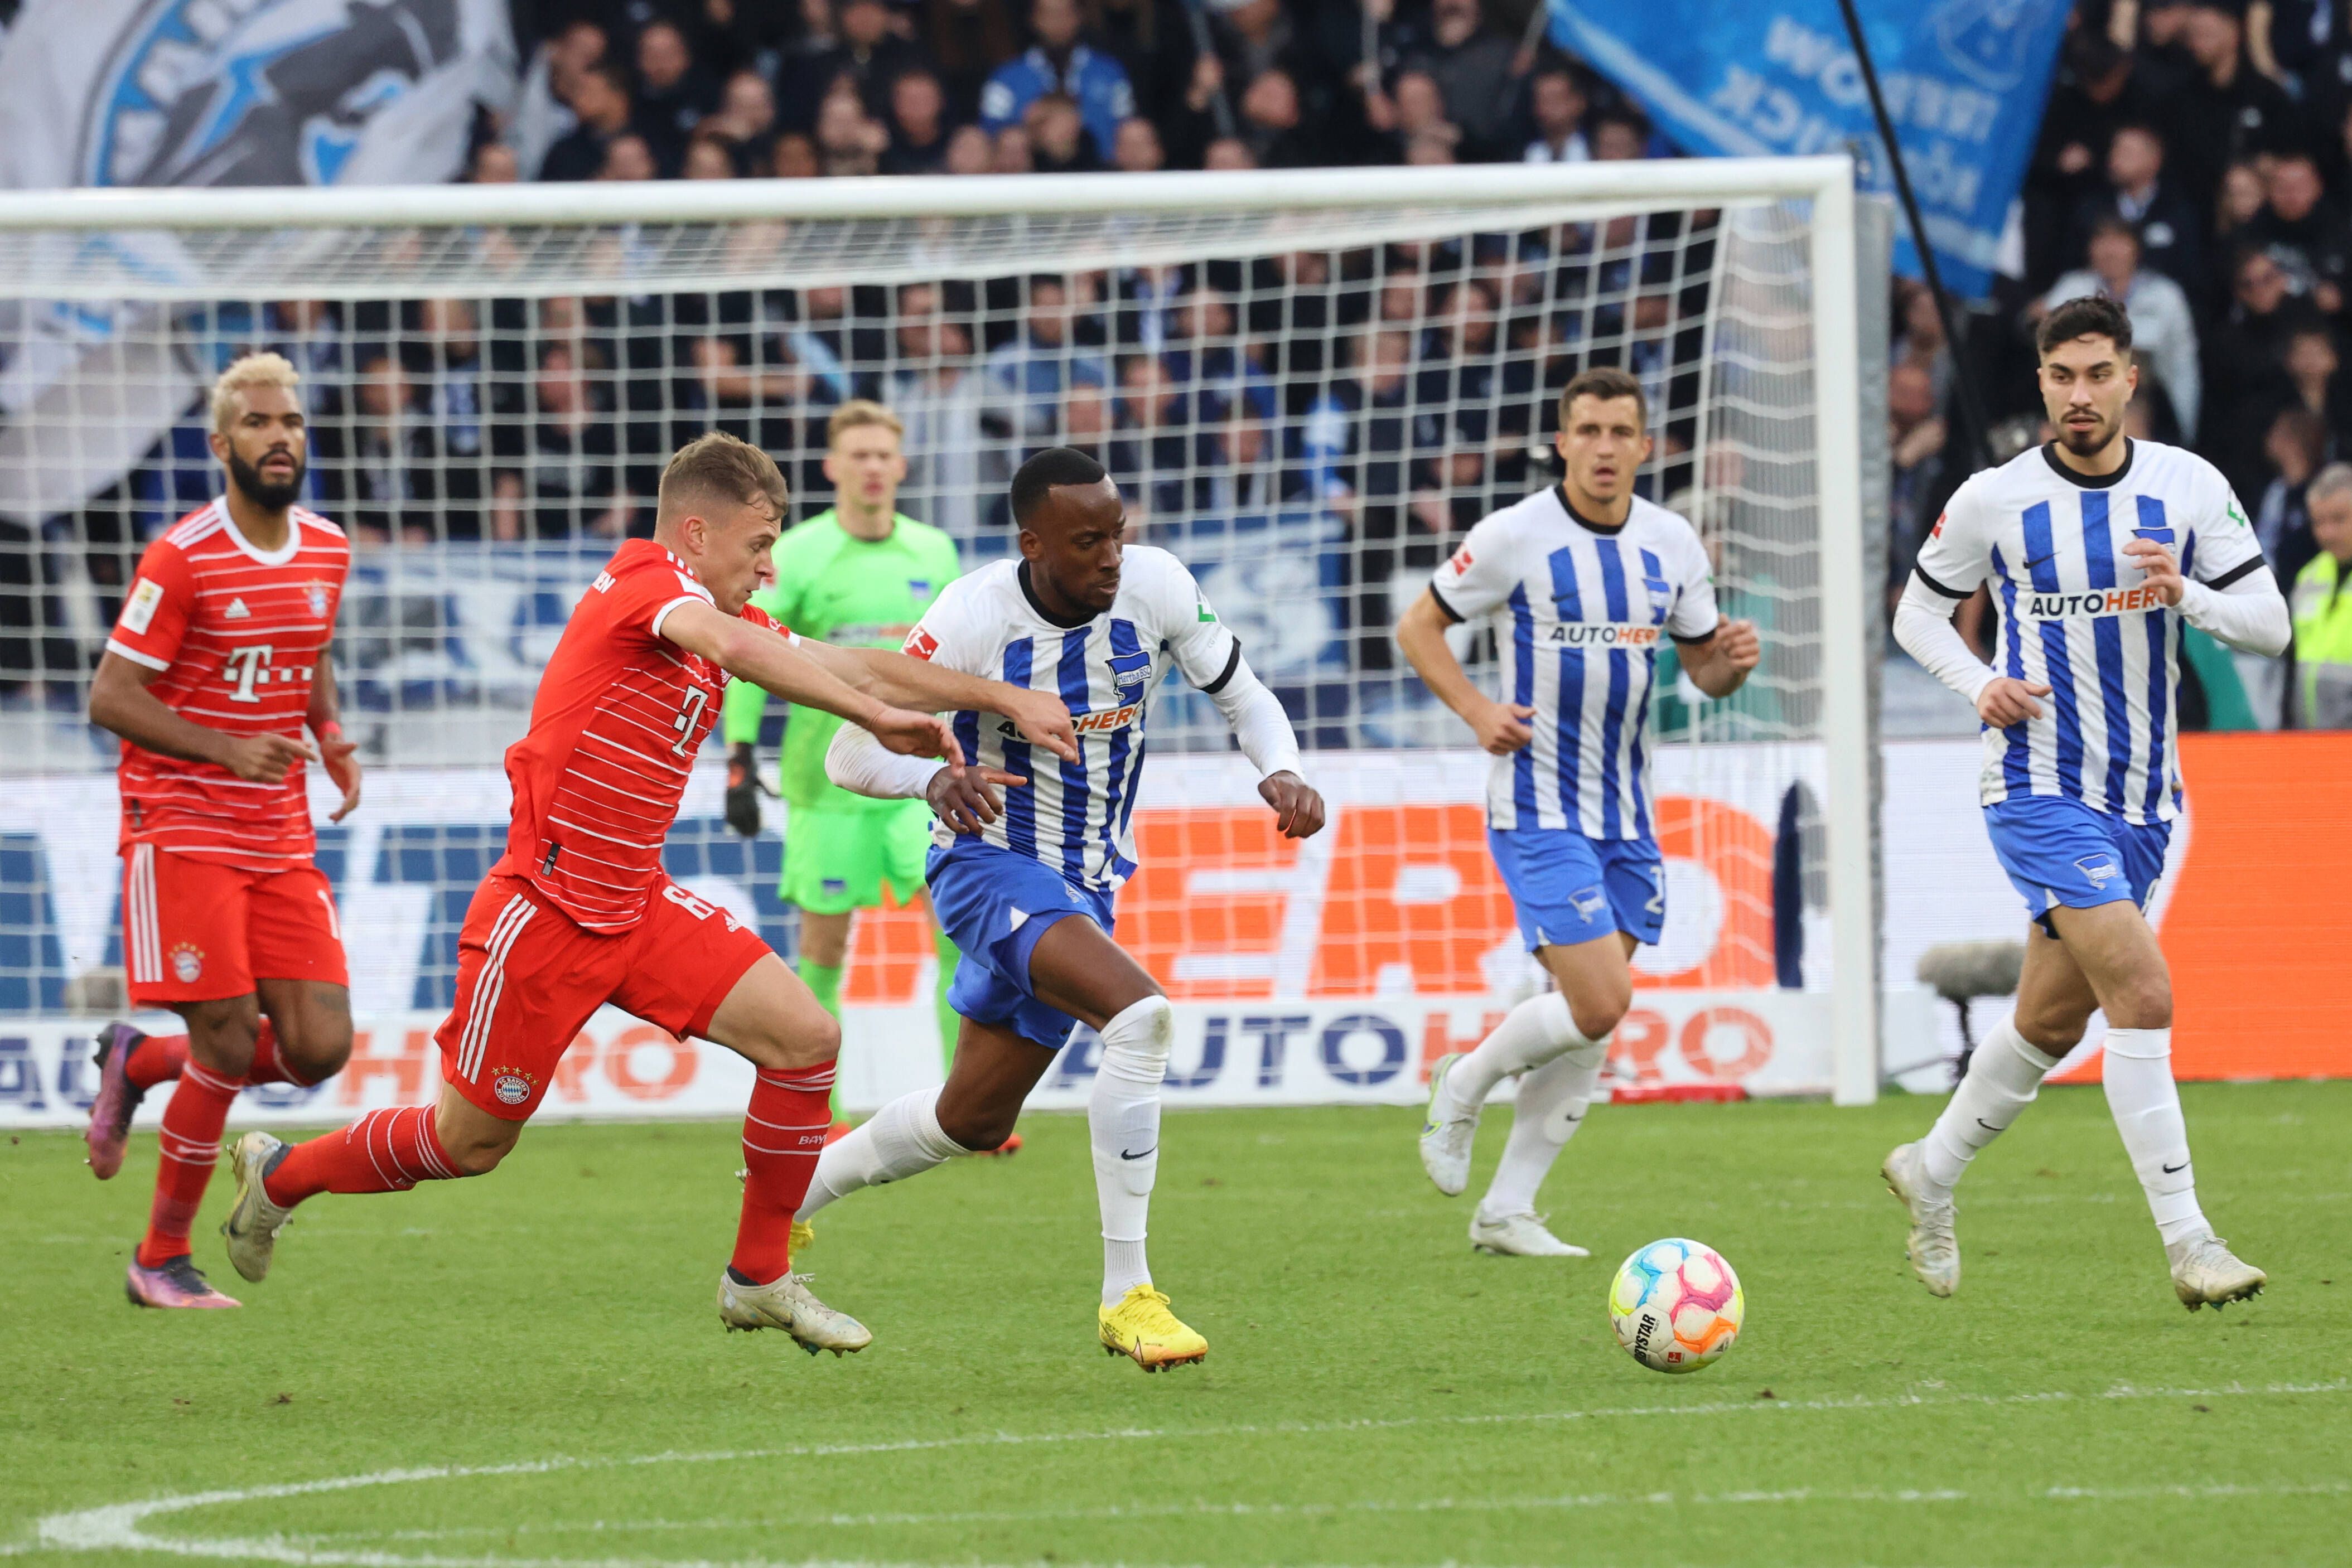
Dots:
(156, 1059)
(191, 1139)
(784, 1133)
(161, 1056)
(384, 1151)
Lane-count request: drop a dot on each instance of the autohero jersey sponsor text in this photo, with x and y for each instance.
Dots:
(2098, 601)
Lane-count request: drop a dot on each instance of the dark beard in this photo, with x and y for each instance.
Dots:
(262, 493)
(2084, 443)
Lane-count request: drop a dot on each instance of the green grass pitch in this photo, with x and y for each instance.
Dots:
(528, 1369)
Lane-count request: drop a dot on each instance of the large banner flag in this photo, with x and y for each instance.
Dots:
(198, 92)
(1964, 79)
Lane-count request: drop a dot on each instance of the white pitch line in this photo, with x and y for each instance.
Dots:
(118, 1527)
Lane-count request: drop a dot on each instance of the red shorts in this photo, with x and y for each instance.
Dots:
(528, 979)
(196, 931)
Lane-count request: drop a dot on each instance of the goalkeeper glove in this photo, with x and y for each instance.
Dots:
(742, 792)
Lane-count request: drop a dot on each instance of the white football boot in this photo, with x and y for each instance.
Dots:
(785, 1303)
(1520, 1236)
(2206, 1273)
(254, 1221)
(1934, 1250)
(1445, 1144)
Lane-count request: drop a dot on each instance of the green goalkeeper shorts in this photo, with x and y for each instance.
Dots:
(835, 862)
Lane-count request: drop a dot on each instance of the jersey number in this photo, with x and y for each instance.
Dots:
(689, 714)
(245, 667)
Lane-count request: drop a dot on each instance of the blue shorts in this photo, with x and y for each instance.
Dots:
(1568, 888)
(2058, 851)
(995, 905)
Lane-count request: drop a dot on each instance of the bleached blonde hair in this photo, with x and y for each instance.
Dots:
(252, 371)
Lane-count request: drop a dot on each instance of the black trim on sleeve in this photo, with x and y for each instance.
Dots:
(1695, 641)
(2244, 568)
(1921, 573)
(1451, 613)
(1232, 663)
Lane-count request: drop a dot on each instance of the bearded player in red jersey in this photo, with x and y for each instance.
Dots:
(578, 912)
(217, 662)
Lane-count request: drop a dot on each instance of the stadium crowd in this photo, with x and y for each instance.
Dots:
(2193, 163)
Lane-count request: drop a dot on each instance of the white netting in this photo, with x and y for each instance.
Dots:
(1308, 404)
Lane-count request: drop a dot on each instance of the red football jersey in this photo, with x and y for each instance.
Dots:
(620, 715)
(236, 633)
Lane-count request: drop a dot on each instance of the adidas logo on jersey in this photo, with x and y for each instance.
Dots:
(2099, 601)
(235, 610)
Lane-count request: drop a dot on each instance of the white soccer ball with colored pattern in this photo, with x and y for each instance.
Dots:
(1676, 1306)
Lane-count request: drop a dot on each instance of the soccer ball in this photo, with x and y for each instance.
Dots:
(1676, 1306)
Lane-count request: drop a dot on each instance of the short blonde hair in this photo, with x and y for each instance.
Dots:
(719, 468)
(252, 371)
(861, 411)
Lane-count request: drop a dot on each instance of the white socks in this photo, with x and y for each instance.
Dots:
(1531, 1034)
(1123, 1119)
(2146, 1104)
(902, 1139)
(2003, 1077)
(1550, 1107)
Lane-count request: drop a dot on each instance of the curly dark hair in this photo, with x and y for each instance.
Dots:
(2090, 316)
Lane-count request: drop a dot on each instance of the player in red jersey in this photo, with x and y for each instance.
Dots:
(219, 662)
(578, 912)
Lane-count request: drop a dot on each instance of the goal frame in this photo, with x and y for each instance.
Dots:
(1827, 182)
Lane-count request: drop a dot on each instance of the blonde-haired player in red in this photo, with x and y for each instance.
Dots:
(217, 662)
(578, 912)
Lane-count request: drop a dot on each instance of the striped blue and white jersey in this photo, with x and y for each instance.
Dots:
(1074, 816)
(2077, 614)
(1579, 609)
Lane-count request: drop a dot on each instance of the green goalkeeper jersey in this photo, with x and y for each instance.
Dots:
(859, 593)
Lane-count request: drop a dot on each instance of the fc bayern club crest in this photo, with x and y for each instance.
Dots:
(187, 963)
(510, 1088)
(315, 592)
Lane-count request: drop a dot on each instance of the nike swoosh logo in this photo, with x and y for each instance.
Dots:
(1124, 1156)
(1988, 1127)
(2176, 1170)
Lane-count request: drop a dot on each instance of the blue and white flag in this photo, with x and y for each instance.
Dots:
(1965, 83)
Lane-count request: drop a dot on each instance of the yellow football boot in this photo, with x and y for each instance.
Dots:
(1142, 1328)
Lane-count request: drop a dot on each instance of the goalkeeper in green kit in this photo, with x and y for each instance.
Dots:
(860, 576)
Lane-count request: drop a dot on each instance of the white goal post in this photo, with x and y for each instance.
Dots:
(1225, 332)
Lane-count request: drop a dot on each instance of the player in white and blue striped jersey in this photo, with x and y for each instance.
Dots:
(1583, 582)
(1024, 880)
(2097, 550)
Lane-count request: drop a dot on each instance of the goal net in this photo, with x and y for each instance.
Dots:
(1308, 386)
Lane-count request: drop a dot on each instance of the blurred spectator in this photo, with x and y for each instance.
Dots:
(1272, 123)
(628, 157)
(560, 477)
(848, 142)
(599, 100)
(2312, 368)
(1413, 111)
(1916, 441)
(708, 158)
(1138, 150)
(1096, 82)
(2303, 231)
(379, 477)
(1559, 106)
(969, 151)
(1029, 375)
(542, 112)
(1619, 135)
(1230, 154)
(968, 39)
(2246, 372)
(2223, 110)
(1058, 142)
(1358, 443)
(939, 396)
(917, 126)
(866, 53)
(1010, 153)
(1152, 41)
(2323, 609)
(1251, 35)
(1474, 75)
(2171, 226)
(794, 158)
(2297, 448)
(745, 123)
(1919, 339)
(2243, 191)
(674, 93)
(2164, 328)
(452, 395)
(494, 163)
